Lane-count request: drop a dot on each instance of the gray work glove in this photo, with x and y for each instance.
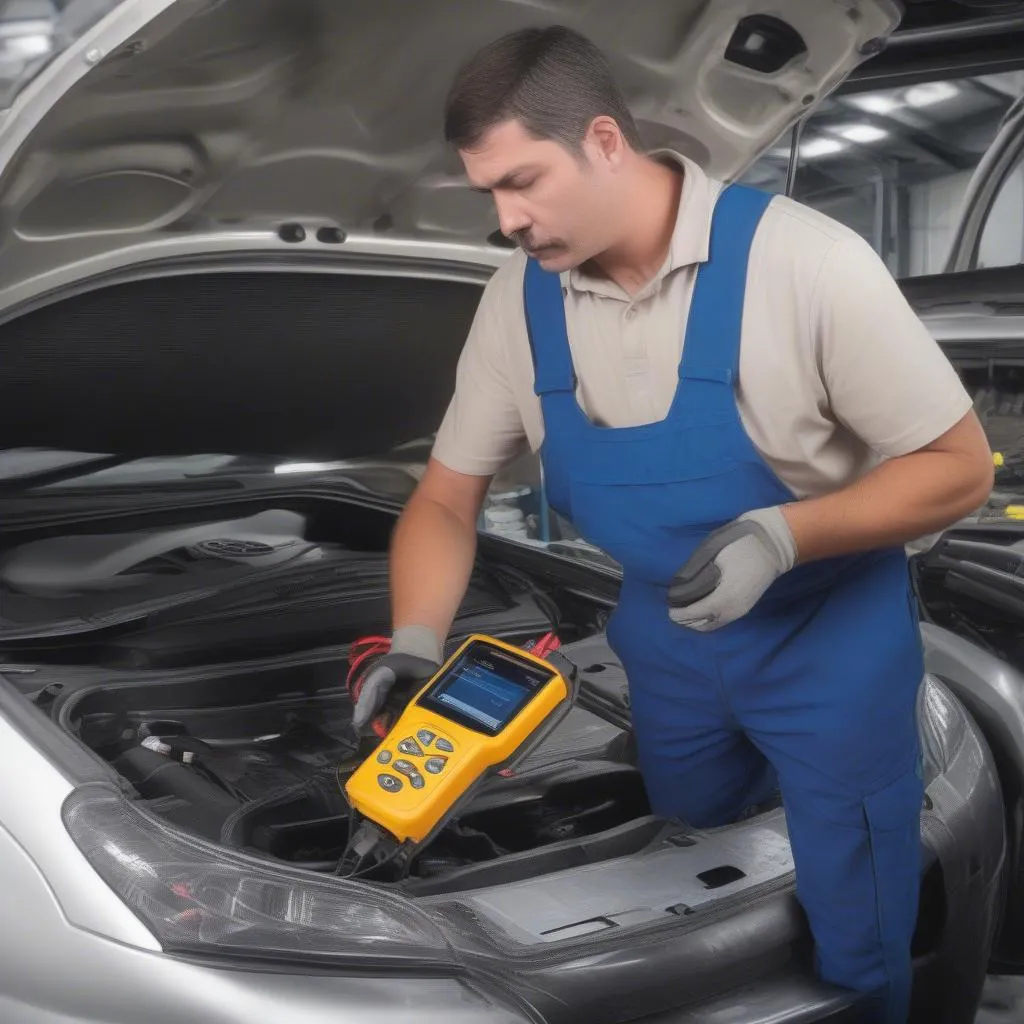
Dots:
(415, 656)
(730, 570)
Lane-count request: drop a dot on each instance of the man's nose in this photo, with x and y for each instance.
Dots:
(510, 218)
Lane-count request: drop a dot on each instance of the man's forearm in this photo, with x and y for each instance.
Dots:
(432, 555)
(897, 502)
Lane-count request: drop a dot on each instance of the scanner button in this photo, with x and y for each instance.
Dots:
(426, 737)
(410, 746)
(416, 780)
(445, 746)
(435, 765)
(389, 782)
(384, 756)
(405, 767)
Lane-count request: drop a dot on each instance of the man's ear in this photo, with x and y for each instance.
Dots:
(605, 142)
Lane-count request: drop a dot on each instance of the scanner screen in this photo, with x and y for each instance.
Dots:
(485, 689)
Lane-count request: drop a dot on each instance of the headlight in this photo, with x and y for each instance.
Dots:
(197, 897)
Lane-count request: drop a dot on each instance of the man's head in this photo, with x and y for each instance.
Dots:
(541, 124)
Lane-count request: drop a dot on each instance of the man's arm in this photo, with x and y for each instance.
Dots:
(888, 383)
(902, 499)
(434, 546)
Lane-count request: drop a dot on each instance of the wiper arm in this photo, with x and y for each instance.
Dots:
(47, 477)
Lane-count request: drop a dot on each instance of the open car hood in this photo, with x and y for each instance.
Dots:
(311, 130)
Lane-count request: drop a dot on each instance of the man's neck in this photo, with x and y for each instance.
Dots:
(633, 262)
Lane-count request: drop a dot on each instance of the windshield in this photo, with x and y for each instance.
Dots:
(33, 32)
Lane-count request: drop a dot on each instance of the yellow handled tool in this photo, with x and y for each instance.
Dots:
(486, 708)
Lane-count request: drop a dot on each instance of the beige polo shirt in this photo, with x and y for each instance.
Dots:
(836, 370)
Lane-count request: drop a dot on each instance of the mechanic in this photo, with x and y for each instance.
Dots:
(731, 397)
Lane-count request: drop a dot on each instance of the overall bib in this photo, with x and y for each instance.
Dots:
(815, 687)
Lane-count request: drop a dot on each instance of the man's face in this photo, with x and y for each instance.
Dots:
(557, 205)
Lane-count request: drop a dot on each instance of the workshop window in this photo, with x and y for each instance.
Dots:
(894, 164)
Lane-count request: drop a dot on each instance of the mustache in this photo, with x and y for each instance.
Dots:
(522, 239)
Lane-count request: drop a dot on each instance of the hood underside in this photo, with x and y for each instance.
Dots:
(248, 114)
(313, 128)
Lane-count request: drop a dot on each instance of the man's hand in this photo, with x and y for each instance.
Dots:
(730, 570)
(415, 656)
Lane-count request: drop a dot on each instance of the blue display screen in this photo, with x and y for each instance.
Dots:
(485, 688)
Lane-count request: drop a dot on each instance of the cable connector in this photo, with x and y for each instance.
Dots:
(370, 847)
(368, 836)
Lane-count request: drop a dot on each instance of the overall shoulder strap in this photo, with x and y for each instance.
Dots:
(711, 348)
(545, 324)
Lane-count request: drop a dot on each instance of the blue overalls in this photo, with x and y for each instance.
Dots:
(816, 687)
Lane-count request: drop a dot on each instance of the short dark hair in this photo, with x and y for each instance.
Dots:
(553, 80)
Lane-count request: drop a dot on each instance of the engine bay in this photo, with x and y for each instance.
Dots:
(232, 632)
(257, 760)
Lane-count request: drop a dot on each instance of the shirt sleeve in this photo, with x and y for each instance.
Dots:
(483, 429)
(886, 378)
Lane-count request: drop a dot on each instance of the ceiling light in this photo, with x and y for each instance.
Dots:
(31, 44)
(929, 93)
(820, 147)
(861, 132)
(875, 103)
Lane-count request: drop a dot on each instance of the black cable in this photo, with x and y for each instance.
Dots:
(544, 600)
(351, 820)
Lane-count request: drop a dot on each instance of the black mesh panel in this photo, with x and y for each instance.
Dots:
(313, 365)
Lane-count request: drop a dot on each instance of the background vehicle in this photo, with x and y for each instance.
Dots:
(228, 227)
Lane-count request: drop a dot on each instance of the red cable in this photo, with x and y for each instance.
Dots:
(373, 645)
(545, 645)
(358, 652)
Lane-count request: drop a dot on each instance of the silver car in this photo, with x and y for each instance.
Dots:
(230, 226)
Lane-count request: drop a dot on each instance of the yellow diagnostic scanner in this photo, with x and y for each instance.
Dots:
(487, 707)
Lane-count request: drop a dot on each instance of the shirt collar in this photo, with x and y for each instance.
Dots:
(690, 237)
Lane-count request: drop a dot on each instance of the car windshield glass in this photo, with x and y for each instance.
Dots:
(34, 32)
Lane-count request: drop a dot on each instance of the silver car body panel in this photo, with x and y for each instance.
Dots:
(30, 821)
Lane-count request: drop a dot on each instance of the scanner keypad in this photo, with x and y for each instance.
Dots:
(415, 748)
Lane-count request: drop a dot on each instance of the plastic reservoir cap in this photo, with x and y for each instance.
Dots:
(997, 459)
(1014, 511)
